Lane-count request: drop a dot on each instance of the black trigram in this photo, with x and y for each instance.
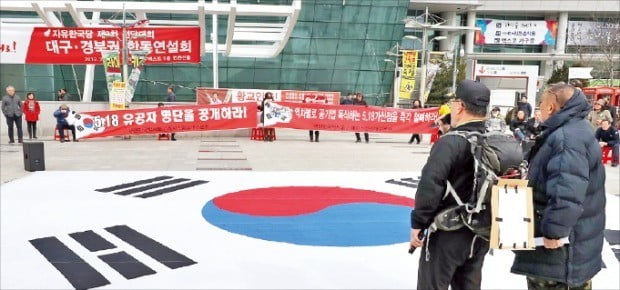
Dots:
(408, 182)
(151, 187)
(83, 276)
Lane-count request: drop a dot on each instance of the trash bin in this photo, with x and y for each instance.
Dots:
(34, 156)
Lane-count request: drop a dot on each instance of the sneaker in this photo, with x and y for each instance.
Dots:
(173, 139)
(11, 142)
(614, 165)
(367, 141)
(74, 140)
(62, 141)
(358, 141)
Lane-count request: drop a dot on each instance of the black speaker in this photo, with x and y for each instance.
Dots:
(34, 156)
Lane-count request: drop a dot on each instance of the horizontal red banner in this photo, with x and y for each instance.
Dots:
(83, 45)
(350, 118)
(246, 115)
(165, 120)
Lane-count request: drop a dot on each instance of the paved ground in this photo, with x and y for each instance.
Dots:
(292, 151)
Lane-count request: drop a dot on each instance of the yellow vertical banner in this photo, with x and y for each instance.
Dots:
(117, 95)
(407, 80)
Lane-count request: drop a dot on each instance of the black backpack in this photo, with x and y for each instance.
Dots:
(496, 156)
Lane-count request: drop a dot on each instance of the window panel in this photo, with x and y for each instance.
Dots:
(186, 73)
(273, 62)
(323, 46)
(297, 46)
(293, 76)
(240, 75)
(350, 47)
(266, 75)
(325, 30)
(295, 61)
(383, 14)
(39, 70)
(345, 77)
(355, 14)
(379, 31)
(377, 47)
(158, 73)
(242, 62)
(322, 61)
(369, 77)
(353, 31)
(302, 29)
(347, 62)
(320, 76)
(327, 13)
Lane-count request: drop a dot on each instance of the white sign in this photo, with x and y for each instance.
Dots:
(251, 95)
(579, 73)
(530, 72)
(14, 42)
(590, 33)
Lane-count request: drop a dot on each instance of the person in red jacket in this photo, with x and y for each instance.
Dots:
(31, 110)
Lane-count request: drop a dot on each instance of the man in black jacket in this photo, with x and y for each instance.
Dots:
(451, 258)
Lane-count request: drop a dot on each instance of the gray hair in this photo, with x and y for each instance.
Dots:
(10, 87)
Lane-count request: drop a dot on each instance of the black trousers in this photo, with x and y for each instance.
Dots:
(32, 129)
(359, 138)
(18, 123)
(414, 137)
(61, 131)
(449, 263)
(316, 135)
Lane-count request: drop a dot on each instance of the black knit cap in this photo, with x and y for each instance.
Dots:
(474, 93)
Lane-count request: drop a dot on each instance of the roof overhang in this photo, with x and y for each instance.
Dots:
(268, 38)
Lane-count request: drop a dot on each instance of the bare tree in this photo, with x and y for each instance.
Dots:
(599, 36)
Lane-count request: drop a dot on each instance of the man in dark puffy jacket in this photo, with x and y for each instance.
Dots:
(568, 181)
(454, 257)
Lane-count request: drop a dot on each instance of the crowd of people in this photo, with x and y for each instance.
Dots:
(569, 201)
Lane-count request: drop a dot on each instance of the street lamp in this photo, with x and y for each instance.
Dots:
(425, 42)
(396, 90)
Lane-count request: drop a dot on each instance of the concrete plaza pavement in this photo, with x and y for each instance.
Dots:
(292, 151)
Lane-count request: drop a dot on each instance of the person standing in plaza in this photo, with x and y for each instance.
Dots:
(568, 181)
(524, 106)
(359, 101)
(172, 97)
(416, 105)
(31, 111)
(12, 110)
(495, 122)
(451, 258)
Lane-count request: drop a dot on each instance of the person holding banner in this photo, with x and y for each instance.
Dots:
(359, 101)
(160, 105)
(61, 122)
(268, 133)
(416, 105)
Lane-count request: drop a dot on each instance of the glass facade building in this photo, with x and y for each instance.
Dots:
(335, 46)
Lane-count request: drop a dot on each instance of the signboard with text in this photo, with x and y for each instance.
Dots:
(83, 45)
(517, 32)
(407, 83)
(206, 96)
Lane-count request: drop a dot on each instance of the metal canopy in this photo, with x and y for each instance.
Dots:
(243, 39)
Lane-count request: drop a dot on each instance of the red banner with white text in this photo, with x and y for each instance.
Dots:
(164, 120)
(246, 115)
(83, 45)
(350, 118)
